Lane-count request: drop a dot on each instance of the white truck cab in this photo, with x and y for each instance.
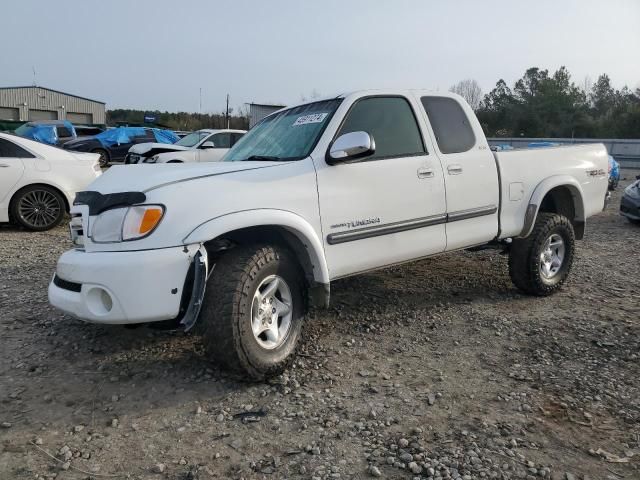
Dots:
(313, 193)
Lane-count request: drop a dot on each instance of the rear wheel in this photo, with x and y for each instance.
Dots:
(253, 311)
(104, 157)
(38, 208)
(540, 263)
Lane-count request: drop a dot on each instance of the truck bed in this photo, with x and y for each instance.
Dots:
(584, 167)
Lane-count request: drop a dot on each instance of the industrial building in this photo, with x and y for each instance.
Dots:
(40, 103)
(257, 111)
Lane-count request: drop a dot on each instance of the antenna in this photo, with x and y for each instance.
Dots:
(34, 75)
(227, 113)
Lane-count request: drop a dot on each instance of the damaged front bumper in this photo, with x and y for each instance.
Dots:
(132, 286)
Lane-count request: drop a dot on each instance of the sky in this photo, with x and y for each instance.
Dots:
(158, 54)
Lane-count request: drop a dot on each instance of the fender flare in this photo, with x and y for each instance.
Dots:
(290, 221)
(544, 187)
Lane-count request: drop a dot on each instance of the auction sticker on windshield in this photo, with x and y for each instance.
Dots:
(313, 118)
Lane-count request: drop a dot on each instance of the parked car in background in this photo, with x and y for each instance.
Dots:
(38, 182)
(112, 145)
(51, 132)
(87, 130)
(201, 146)
(630, 202)
(614, 173)
(311, 194)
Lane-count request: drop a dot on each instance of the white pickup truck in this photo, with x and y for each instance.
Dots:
(313, 193)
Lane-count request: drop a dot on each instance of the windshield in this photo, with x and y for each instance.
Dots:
(192, 139)
(287, 135)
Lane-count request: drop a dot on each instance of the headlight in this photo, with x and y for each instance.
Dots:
(122, 224)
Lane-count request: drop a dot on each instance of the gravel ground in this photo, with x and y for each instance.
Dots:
(437, 369)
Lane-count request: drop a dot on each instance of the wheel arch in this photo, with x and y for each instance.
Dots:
(277, 226)
(101, 148)
(41, 184)
(560, 194)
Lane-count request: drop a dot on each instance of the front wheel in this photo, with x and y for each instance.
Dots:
(253, 310)
(540, 263)
(104, 157)
(38, 208)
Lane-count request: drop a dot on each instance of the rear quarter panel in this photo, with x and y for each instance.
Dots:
(522, 171)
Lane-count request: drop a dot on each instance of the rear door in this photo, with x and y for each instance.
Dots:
(470, 172)
(11, 166)
(387, 208)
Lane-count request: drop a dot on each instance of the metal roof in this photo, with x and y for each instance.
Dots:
(52, 90)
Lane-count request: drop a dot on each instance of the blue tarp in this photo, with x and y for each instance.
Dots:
(122, 135)
(543, 144)
(45, 133)
(165, 136)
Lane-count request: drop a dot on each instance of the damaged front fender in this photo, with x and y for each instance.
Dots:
(195, 285)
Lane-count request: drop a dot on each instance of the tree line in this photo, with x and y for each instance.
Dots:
(541, 104)
(179, 120)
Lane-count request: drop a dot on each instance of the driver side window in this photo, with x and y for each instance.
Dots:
(221, 140)
(392, 124)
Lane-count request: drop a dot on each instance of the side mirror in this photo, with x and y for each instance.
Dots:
(208, 144)
(351, 146)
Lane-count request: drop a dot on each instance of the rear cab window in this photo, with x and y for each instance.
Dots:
(450, 124)
(392, 124)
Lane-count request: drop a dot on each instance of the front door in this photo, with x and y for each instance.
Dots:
(387, 208)
(470, 172)
(221, 144)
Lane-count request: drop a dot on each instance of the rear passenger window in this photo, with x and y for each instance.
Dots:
(11, 150)
(450, 124)
(391, 123)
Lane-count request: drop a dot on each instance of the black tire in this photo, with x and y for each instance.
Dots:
(525, 256)
(104, 157)
(226, 317)
(37, 208)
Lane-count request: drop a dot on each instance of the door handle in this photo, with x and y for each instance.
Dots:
(454, 169)
(425, 172)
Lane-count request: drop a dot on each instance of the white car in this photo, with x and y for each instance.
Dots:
(311, 194)
(38, 182)
(201, 146)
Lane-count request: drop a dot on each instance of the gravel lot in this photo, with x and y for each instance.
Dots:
(437, 369)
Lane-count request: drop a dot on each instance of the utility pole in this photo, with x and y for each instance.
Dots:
(226, 116)
(200, 109)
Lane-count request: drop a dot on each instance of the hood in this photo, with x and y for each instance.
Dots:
(142, 148)
(142, 178)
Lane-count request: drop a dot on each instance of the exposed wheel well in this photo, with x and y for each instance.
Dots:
(271, 234)
(64, 197)
(565, 201)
